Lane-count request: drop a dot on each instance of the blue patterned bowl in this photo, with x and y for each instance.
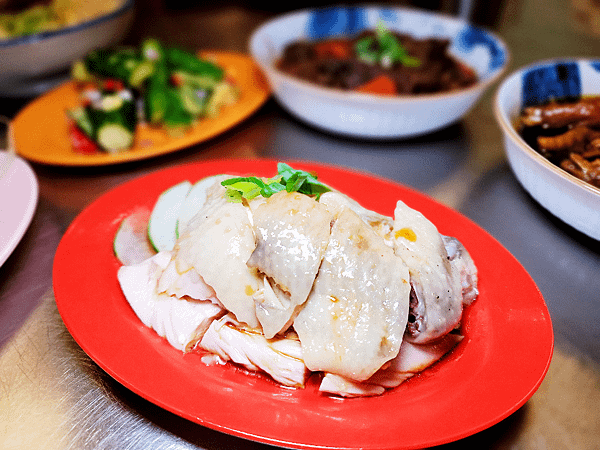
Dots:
(32, 64)
(572, 200)
(368, 115)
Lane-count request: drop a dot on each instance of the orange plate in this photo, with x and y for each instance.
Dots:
(41, 128)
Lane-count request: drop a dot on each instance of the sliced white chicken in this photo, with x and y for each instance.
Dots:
(274, 308)
(463, 267)
(181, 322)
(280, 357)
(185, 284)
(436, 294)
(411, 360)
(217, 245)
(205, 192)
(215, 198)
(292, 232)
(356, 314)
(338, 385)
(336, 201)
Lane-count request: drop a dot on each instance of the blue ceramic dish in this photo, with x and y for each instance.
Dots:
(367, 115)
(572, 200)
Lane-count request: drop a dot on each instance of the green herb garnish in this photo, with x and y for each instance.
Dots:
(288, 179)
(384, 49)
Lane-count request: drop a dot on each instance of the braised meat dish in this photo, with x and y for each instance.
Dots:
(378, 61)
(567, 133)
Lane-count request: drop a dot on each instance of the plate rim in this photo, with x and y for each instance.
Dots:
(32, 196)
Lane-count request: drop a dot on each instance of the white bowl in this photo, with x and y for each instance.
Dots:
(32, 64)
(572, 200)
(367, 115)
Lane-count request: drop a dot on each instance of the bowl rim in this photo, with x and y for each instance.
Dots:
(37, 37)
(333, 93)
(509, 130)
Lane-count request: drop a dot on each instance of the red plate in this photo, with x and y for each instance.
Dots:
(489, 375)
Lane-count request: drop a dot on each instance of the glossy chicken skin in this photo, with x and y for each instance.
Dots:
(217, 246)
(292, 231)
(436, 290)
(356, 314)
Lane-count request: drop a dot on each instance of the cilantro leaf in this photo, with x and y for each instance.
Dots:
(385, 49)
(287, 178)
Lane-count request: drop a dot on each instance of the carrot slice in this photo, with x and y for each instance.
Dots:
(333, 49)
(381, 84)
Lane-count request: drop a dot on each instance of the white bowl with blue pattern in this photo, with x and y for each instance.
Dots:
(368, 115)
(572, 200)
(35, 63)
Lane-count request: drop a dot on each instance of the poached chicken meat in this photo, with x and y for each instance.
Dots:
(292, 231)
(292, 284)
(356, 314)
(436, 297)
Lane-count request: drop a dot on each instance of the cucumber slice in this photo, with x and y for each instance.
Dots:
(222, 95)
(141, 73)
(114, 137)
(190, 100)
(81, 118)
(162, 226)
(80, 73)
(131, 244)
(194, 201)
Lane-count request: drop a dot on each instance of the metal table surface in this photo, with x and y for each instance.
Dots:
(53, 396)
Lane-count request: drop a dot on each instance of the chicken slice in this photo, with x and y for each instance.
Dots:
(292, 232)
(356, 314)
(281, 357)
(336, 201)
(338, 385)
(411, 360)
(181, 322)
(274, 308)
(462, 266)
(217, 244)
(436, 293)
(215, 198)
(186, 284)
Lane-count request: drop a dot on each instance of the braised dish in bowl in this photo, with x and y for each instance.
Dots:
(379, 62)
(377, 72)
(549, 114)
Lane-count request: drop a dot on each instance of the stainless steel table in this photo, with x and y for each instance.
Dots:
(53, 396)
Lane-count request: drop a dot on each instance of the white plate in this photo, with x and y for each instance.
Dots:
(18, 200)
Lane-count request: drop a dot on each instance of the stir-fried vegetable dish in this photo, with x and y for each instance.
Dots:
(567, 133)
(161, 86)
(378, 61)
